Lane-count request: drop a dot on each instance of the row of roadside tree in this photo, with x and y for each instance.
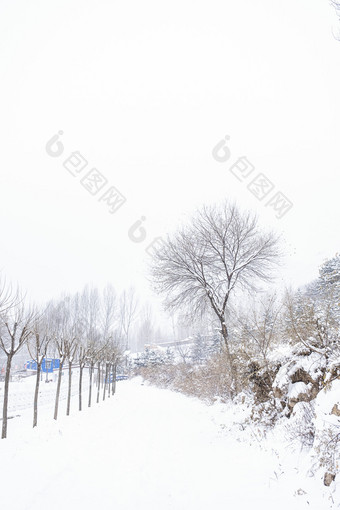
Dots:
(83, 330)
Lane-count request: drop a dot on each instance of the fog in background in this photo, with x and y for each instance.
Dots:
(145, 91)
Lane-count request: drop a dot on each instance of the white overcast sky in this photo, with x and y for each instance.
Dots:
(145, 90)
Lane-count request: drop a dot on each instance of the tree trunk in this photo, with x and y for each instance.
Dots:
(5, 402)
(36, 395)
(69, 388)
(90, 385)
(98, 382)
(109, 386)
(232, 367)
(81, 368)
(58, 391)
(114, 379)
(105, 381)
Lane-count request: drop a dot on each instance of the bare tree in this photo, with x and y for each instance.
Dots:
(256, 333)
(100, 358)
(59, 319)
(65, 335)
(37, 347)
(146, 327)
(184, 351)
(15, 329)
(112, 333)
(89, 348)
(202, 264)
(128, 306)
(95, 352)
(109, 333)
(260, 326)
(71, 341)
(9, 298)
(116, 355)
(313, 322)
(112, 353)
(83, 358)
(72, 346)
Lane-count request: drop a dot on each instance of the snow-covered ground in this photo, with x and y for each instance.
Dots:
(21, 392)
(148, 448)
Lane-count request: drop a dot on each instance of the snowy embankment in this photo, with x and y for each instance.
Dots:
(149, 448)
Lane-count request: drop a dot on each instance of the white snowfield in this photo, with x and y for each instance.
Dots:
(148, 449)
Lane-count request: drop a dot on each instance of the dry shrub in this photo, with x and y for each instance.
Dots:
(207, 382)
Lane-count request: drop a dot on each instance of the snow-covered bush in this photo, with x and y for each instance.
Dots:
(301, 425)
(327, 425)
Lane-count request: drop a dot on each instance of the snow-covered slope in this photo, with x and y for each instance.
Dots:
(148, 448)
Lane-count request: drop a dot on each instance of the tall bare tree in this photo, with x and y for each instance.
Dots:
(202, 264)
(15, 329)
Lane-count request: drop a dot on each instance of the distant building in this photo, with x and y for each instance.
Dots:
(187, 341)
(48, 365)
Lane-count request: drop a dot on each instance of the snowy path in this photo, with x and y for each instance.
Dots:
(145, 449)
